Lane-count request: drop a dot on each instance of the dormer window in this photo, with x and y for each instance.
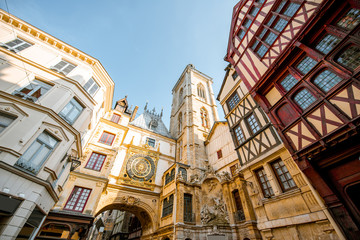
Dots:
(153, 124)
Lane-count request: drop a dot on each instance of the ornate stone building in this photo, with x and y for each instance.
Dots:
(50, 96)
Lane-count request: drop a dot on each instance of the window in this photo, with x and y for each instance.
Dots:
(91, 86)
(77, 199)
(350, 20)
(239, 215)
(234, 75)
(201, 91)
(115, 118)
(34, 157)
(71, 111)
(33, 91)
(204, 118)
(253, 124)
(350, 57)
(219, 154)
(304, 99)
(107, 138)
(264, 183)
(180, 122)
(283, 175)
(233, 101)
(181, 95)
(273, 27)
(150, 142)
(168, 206)
(327, 43)
(183, 172)
(63, 67)
(326, 80)
(170, 176)
(288, 82)
(96, 161)
(16, 45)
(239, 135)
(5, 120)
(306, 65)
(254, 11)
(188, 213)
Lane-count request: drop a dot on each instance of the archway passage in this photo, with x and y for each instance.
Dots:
(121, 222)
(116, 225)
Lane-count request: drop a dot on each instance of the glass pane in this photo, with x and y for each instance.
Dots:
(280, 6)
(350, 20)
(73, 115)
(288, 82)
(350, 57)
(270, 38)
(326, 80)
(41, 156)
(31, 151)
(241, 34)
(304, 98)
(67, 109)
(306, 65)
(94, 88)
(47, 139)
(280, 24)
(262, 50)
(271, 20)
(291, 9)
(327, 43)
(254, 11)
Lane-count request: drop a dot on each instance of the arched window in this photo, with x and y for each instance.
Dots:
(201, 91)
(180, 122)
(181, 92)
(304, 98)
(204, 117)
(326, 80)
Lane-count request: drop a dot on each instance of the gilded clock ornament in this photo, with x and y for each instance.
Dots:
(140, 167)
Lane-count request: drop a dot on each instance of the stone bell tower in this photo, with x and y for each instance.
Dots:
(193, 113)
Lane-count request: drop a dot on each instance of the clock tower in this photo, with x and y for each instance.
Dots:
(193, 113)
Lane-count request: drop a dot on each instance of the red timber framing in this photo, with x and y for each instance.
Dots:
(315, 79)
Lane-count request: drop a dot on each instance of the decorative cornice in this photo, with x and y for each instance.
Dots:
(63, 47)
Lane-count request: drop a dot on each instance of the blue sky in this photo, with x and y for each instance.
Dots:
(143, 44)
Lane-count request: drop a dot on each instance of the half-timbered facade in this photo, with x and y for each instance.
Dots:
(275, 186)
(300, 61)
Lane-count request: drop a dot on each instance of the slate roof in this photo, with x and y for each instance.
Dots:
(151, 121)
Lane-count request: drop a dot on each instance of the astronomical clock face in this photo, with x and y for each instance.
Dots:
(140, 167)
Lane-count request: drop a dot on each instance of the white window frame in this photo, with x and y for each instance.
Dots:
(62, 70)
(36, 85)
(76, 105)
(15, 47)
(35, 150)
(90, 85)
(4, 125)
